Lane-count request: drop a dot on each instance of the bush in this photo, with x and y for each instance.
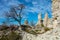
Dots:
(11, 36)
(47, 29)
(33, 32)
(42, 25)
(4, 37)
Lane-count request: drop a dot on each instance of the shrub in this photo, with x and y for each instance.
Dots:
(11, 36)
(46, 28)
(42, 25)
(4, 37)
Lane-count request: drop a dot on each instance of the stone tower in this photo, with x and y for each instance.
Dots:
(46, 20)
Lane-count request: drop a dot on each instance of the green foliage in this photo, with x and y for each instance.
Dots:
(33, 32)
(47, 29)
(4, 37)
(11, 36)
(42, 25)
(14, 36)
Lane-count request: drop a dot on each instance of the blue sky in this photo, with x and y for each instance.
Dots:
(33, 7)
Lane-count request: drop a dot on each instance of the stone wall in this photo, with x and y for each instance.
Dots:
(56, 9)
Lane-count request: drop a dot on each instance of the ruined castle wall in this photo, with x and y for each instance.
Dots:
(56, 9)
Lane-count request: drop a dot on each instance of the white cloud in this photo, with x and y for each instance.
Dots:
(37, 6)
(5, 4)
(27, 0)
(9, 2)
(33, 10)
(34, 3)
(13, 2)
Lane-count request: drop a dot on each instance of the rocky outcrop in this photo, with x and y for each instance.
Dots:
(53, 34)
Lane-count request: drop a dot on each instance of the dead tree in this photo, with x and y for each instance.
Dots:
(14, 15)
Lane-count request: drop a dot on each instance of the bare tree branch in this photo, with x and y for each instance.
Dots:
(13, 13)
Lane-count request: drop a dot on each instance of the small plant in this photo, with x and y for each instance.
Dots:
(33, 32)
(42, 25)
(46, 28)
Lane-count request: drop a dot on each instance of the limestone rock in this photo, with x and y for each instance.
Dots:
(46, 20)
(39, 20)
